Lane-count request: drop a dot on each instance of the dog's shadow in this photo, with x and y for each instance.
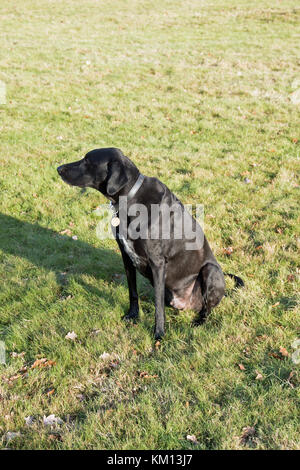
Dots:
(60, 254)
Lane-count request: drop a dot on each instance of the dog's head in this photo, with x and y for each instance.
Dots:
(107, 170)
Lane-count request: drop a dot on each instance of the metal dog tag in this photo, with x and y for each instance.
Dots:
(115, 221)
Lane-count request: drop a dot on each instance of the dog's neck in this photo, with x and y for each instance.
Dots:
(130, 189)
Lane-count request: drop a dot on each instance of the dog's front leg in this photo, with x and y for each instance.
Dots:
(158, 272)
(130, 270)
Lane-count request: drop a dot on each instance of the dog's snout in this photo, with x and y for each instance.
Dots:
(61, 169)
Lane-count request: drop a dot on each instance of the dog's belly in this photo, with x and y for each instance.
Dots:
(180, 302)
(188, 298)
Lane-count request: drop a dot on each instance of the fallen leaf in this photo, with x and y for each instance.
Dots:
(275, 305)
(246, 351)
(259, 376)
(80, 397)
(43, 363)
(55, 437)
(291, 278)
(39, 362)
(95, 332)
(71, 335)
(192, 438)
(290, 379)
(51, 420)
(157, 345)
(296, 356)
(15, 354)
(145, 375)
(248, 434)
(12, 435)
(295, 344)
(241, 367)
(12, 378)
(29, 420)
(105, 356)
(275, 355)
(228, 251)
(283, 351)
(67, 231)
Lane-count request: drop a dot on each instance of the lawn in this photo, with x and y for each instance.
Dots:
(205, 96)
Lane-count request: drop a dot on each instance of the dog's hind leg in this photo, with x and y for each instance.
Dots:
(213, 288)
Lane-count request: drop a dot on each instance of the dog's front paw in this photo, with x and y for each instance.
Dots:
(132, 315)
(158, 334)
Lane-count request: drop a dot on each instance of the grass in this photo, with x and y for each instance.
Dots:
(198, 94)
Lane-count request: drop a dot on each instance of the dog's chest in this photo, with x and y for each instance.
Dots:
(129, 248)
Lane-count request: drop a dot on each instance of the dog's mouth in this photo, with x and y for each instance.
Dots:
(65, 180)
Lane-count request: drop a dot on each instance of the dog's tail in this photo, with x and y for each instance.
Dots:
(238, 281)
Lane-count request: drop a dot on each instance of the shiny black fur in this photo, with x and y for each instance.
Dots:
(181, 278)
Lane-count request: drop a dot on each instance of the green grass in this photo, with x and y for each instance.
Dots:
(198, 94)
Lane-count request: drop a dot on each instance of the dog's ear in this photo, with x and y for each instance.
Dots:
(116, 178)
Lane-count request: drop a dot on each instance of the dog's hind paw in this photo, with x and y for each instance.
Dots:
(200, 319)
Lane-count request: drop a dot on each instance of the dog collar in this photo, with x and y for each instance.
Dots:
(115, 207)
(136, 186)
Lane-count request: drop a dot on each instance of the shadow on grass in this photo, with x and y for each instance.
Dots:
(60, 254)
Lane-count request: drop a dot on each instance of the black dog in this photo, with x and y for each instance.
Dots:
(184, 276)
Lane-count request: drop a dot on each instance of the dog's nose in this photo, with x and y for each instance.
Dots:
(61, 169)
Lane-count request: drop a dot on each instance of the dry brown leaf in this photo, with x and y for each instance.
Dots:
(228, 251)
(283, 351)
(15, 354)
(275, 355)
(44, 362)
(145, 375)
(67, 231)
(12, 378)
(241, 367)
(248, 434)
(55, 437)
